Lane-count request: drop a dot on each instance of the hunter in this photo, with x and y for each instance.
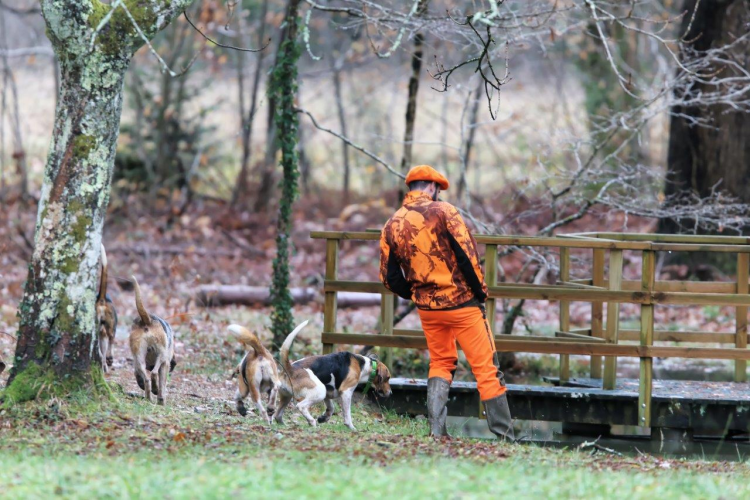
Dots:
(428, 255)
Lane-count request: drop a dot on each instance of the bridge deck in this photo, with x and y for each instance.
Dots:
(702, 407)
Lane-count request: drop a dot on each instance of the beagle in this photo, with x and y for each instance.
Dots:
(152, 345)
(107, 318)
(257, 374)
(323, 378)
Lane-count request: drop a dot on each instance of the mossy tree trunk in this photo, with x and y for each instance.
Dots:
(57, 332)
(282, 90)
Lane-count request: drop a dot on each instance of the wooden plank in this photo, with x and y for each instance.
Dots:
(613, 318)
(675, 238)
(740, 341)
(622, 241)
(705, 247)
(556, 347)
(490, 265)
(564, 314)
(576, 336)
(555, 293)
(330, 307)
(682, 286)
(387, 306)
(678, 336)
(645, 383)
(597, 310)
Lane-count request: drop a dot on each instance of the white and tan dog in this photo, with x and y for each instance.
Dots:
(257, 374)
(324, 378)
(152, 345)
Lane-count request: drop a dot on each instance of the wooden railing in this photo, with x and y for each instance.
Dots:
(601, 340)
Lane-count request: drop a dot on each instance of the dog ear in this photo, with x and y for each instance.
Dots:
(373, 356)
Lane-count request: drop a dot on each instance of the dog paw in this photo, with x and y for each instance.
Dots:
(353, 429)
(270, 411)
(323, 419)
(242, 410)
(110, 361)
(160, 401)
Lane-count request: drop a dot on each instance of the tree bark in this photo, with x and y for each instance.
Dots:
(700, 157)
(411, 105)
(57, 332)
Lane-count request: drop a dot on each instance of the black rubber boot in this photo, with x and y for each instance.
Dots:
(498, 417)
(437, 411)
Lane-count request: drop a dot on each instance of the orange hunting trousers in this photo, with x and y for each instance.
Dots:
(468, 326)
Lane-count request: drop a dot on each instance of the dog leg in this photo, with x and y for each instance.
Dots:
(110, 360)
(141, 375)
(103, 347)
(346, 407)
(163, 373)
(284, 399)
(273, 395)
(304, 408)
(329, 412)
(240, 395)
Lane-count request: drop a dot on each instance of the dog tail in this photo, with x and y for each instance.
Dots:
(145, 316)
(103, 279)
(284, 353)
(246, 338)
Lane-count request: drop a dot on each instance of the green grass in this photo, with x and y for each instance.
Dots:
(298, 475)
(82, 448)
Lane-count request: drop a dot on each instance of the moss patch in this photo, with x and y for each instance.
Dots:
(82, 145)
(118, 34)
(26, 385)
(80, 227)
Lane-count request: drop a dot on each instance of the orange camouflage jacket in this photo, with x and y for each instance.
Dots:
(428, 255)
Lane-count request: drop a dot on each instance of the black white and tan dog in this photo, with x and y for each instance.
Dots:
(107, 317)
(258, 374)
(324, 378)
(152, 345)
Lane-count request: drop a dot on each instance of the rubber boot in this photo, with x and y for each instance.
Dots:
(437, 411)
(498, 417)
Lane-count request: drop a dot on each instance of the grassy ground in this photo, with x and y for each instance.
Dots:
(198, 448)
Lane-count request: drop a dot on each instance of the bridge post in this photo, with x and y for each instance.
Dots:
(613, 318)
(564, 313)
(647, 339)
(331, 302)
(740, 339)
(490, 271)
(597, 310)
(387, 307)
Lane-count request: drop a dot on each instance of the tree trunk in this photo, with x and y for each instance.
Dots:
(700, 157)
(468, 146)
(247, 123)
(411, 105)
(57, 332)
(336, 67)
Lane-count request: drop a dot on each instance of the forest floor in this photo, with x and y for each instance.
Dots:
(198, 446)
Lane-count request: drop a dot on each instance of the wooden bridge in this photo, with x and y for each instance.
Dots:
(602, 399)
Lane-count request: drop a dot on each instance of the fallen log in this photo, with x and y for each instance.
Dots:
(222, 295)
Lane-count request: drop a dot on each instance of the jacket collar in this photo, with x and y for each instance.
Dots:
(413, 197)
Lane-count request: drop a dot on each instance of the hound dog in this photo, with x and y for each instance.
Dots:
(152, 345)
(323, 378)
(258, 374)
(107, 318)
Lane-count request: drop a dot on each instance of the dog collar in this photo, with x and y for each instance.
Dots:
(372, 376)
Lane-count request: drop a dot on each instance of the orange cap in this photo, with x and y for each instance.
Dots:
(426, 173)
